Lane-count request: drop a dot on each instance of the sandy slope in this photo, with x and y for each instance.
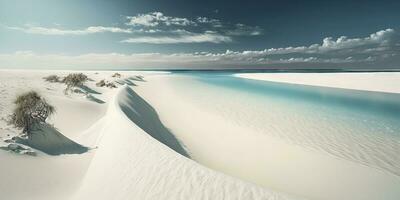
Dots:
(44, 176)
(130, 164)
(374, 81)
(131, 152)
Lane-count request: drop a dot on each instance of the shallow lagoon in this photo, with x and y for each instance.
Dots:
(358, 126)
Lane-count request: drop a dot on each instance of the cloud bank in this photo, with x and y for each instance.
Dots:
(181, 37)
(378, 50)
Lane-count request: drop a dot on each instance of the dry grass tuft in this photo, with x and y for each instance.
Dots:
(74, 80)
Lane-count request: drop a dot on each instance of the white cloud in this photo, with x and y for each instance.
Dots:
(167, 28)
(242, 29)
(213, 22)
(199, 24)
(57, 31)
(157, 18)
(380, 37)
(181, 36)
(238, 29)
(374, 42)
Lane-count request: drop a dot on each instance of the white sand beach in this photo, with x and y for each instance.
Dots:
(369, 81)
(146, 139)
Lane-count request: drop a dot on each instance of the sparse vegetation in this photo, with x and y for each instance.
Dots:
(31, 109)
(111, 85)
(103, 83)
(52, 78)
(117, 75)
(74, 80)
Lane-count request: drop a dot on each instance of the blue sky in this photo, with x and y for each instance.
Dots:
(99, 34)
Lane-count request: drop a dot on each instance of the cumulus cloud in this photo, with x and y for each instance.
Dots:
(57, 31)
(379, 41)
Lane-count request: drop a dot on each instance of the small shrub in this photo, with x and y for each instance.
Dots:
(74, 80)
(117, 75)
(111, 85)
(52, 78)
(104, 83)
(101, 83)
(31, 109)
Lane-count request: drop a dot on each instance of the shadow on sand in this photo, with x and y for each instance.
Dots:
(94, 99)
(47, 139)
(89, 90)
(143, 115)
(126, 81)
(137, 78)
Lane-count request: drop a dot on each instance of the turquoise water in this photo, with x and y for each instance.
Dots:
(359, 126)
(387, 105)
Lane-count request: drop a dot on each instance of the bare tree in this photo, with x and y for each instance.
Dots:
(31, 109)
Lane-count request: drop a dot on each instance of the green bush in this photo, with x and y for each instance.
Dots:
(31, 109)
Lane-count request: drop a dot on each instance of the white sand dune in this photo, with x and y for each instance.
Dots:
(145, 117)
(133, 155)
(46, 177)
(130, 164)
